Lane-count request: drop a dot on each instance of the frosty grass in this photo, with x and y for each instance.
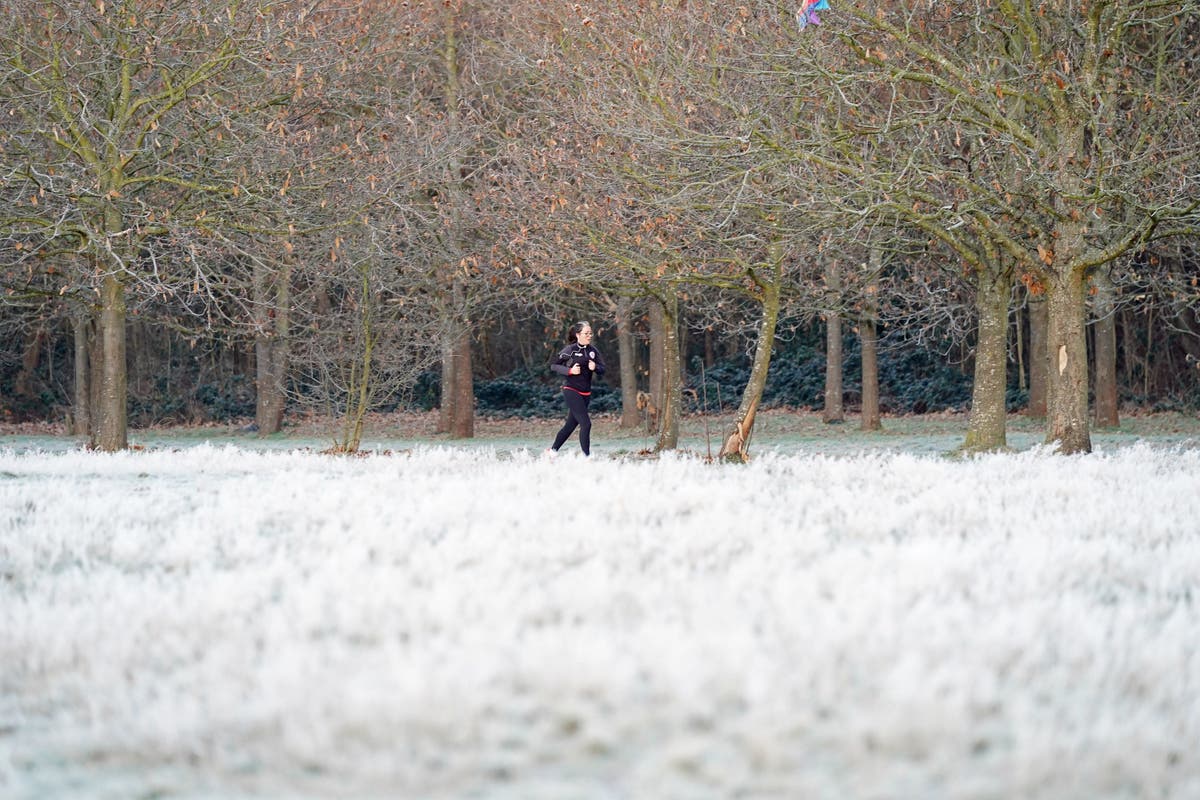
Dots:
(223, 623)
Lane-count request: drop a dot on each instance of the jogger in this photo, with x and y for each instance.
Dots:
(578, 361)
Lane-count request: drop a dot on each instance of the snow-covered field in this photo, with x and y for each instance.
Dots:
(223, 623)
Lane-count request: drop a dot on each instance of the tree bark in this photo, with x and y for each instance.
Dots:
(462, 425)
(271, 346)
(986, 424)
(1105, 331)
(457, 411)
(359, 386)
(95, 376)
(111, 433)
(1039, 354)
(671, 407)
(657, 337)
(625, 354)
(834, 411)
(1019, 343)
(1067, 387)
(869, 343)
(737, 443)
(458, 393)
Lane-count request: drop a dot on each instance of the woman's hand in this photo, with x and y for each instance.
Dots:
(592, 366)
(575, 370)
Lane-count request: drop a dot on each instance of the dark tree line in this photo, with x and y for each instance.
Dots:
(211, 206)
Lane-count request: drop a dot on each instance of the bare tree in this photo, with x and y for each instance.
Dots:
(869, 336)
(119, 129)
(370, 334)
(1050, 108)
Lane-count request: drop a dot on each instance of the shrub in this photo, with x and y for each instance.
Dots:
(231, 398)
(426, 394)
(911, 381)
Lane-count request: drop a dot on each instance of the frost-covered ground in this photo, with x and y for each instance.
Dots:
(466, 623)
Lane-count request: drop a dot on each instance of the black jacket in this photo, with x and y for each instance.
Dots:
(574, 354)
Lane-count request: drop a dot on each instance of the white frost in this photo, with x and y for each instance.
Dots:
(462, 623)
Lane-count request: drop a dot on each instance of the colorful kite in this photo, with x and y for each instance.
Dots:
(808, 12)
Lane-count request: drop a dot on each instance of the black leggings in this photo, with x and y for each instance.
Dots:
(577, 417)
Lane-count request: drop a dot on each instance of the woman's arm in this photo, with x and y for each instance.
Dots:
(559, 364)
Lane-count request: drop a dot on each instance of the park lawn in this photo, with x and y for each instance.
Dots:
(778, 431)
(481, 621)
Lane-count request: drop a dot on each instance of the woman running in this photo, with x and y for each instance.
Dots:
(579, 361)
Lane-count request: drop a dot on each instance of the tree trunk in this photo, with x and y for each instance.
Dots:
(458, 394)
(81, 412)
(111, 433)
(671, 407)
(657, 337)
(625, 354)
(462, 423)
(1019, 343)
(834, 407)
(1039, 354)
(271, 340)
(1067, 387)
(986, 425)
(95, 376)
(456, 415)
(869, 343)
(359, 387)
(1105, 331)
(737, 443)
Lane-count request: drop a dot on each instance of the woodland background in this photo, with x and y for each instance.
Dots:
(213, 210)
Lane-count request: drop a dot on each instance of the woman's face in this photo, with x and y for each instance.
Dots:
(584, 336)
